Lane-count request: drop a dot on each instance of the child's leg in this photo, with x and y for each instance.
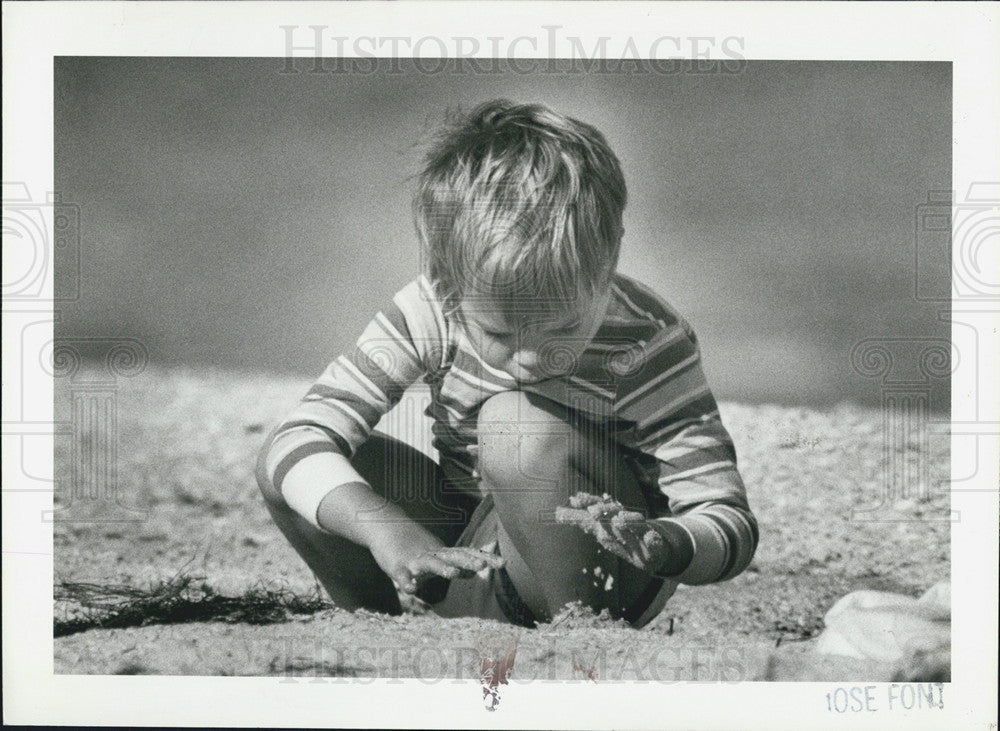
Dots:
(346, 570)
(533, 456)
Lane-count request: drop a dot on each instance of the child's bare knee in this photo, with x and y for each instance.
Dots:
(521, 439)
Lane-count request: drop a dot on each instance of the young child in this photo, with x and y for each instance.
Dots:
(581, 455)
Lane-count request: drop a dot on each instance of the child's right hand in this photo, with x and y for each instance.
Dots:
(411, 555)
(626, 533)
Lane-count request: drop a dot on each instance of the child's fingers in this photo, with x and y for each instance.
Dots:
(628, 526)
(615, 547)
(494, 561)
(637, 544)
(647, 550)
(405, 580)
(600, 510)
(459, 560)
(629, 543)
(604, 531)
(447, 563)
(584, 521)
(609, 519)
(572, 515)
(482, 558)
(584, 499)
(623, 540)
(608, 539)
(469, 559)
(630, 516)
(428, 563)
(622, 532)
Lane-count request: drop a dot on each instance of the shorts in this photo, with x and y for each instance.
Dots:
(491, 593)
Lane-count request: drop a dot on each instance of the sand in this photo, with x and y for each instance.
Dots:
(187, 505)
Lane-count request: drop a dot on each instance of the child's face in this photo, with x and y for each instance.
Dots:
(533, 348)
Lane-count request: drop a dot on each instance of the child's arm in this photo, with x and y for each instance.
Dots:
(706, 532)
(308, 458)
(707, 500)
(645, 544)
(711, 538)
(404, 549)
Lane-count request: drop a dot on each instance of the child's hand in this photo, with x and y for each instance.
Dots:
(413, 557)
(431, 571)
(452, 563)
(626, 533)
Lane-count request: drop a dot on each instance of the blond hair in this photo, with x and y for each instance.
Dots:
(516, 202)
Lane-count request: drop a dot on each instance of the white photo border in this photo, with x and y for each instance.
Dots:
(963, 34)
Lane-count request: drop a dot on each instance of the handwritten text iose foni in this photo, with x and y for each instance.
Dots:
(891, 697)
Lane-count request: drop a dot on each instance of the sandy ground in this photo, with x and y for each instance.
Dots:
(186, 444)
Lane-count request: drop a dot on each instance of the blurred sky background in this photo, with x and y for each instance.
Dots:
(235, 216)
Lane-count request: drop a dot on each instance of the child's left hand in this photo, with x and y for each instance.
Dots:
(626, 533)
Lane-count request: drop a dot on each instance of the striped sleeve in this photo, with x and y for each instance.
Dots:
(403, 342)
(677, 424)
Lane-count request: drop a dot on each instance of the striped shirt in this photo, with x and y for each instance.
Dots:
(641, 374)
